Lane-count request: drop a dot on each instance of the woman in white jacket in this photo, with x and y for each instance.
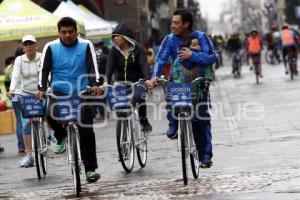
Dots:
(26, 69)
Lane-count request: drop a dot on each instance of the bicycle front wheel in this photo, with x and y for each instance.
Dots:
(142, 147)
(44, 148)
(74, 160)
(194, 153)
(36, 147)
(183, 137)
(125, 144)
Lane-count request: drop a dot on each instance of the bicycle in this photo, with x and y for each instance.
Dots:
(237, 64)
(128, 131)
(272, 56)
(257, 68)
(292, 61)
(182, 106)
(66, 110)
(34, 110)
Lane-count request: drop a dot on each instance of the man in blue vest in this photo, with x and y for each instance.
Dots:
(73, 66)
(172, 46)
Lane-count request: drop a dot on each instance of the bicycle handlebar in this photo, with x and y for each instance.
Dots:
(85, 92)
(164, 81)
(140, 81)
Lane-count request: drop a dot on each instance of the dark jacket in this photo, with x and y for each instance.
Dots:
(132, 68)
(234, 44)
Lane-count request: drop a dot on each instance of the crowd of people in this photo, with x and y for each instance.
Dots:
(250, 46)
(182, 56)
(70, 57)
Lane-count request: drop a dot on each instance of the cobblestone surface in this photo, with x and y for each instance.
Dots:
(256, 158)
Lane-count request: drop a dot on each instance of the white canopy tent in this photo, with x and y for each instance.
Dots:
(93, 28)
(91, 14)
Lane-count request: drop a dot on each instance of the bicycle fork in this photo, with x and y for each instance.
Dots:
(70, 156)
(138, 138)
(187, 132)
(189, 139)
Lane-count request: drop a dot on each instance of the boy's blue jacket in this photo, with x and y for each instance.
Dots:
(172, 43)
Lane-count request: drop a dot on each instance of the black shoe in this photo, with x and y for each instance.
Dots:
(92, 177)
(296, 72)
(172, 135)
(286, 72)
(206, 163)
(145, 125)
(1, 149)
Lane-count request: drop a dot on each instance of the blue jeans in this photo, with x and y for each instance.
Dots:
(17, 110)
(201, 127)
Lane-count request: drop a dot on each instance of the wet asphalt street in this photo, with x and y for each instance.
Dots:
(256, 137)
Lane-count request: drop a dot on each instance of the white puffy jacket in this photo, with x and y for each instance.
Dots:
(26, 72)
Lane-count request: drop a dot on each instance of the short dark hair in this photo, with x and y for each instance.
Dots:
(187, 40)
(19, 52)
(186, 16)
(9, 60)
(67, 21)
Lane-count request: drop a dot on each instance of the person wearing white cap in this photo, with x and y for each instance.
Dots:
(26, 68)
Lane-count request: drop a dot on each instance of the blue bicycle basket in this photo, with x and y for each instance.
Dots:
(140, 92)
(67, 109)
(181, 95)
(31, 106)
(117, 97)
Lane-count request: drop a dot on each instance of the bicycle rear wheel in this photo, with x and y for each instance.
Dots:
(44, 148)
(182, 125)
(257, 78)
(256, 73)
(74, 160)
(36, 147)
(269, 57)
(291, 65)
(125, 144)
(142, 147)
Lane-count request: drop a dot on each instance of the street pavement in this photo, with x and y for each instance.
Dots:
(255, 144)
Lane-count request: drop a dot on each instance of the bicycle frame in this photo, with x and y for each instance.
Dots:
(181, 105)
(133, 116)
(190, 139)
(70, 156)
(33, 110)
(70, 107)
(119, 99)
(39, 121)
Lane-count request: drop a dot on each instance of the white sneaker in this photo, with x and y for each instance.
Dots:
(27, 161)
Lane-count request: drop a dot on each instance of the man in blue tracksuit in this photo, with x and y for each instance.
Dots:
(71, 61)
(182, 23)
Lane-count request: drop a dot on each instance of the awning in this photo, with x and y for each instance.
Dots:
(21, 17)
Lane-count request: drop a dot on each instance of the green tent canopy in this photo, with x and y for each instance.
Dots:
(21, 17)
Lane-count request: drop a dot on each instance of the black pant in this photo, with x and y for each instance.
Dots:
(285, 51)
(87, 135)
(142, 108)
